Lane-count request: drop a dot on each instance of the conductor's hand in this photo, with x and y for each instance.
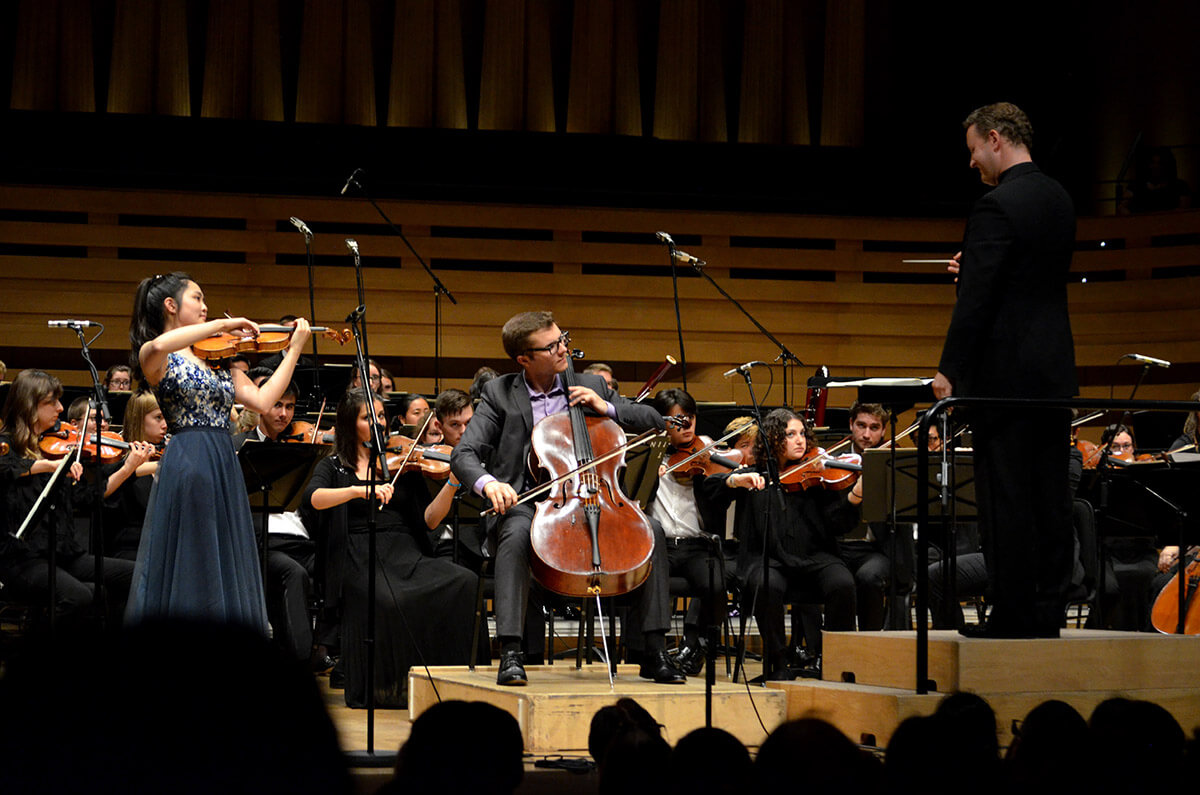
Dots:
(501, 495)
(942, 387)
(588, 397)
(746, 480)
(955, 264)
(300, 335)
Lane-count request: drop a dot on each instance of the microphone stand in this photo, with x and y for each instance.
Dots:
(785, 357)
(773, 484)
(100, 401)
(439, 289)
(312, 310)
(678, 321)
(376, 465)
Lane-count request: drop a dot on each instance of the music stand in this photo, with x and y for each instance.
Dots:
(279, 473)
(317, 382)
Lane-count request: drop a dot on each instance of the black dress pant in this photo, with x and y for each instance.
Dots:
(290, 565)
(1023, 493)
(30, 582)
(823, 577)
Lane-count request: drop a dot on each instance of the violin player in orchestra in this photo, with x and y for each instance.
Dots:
(1010, 337)
(693, 530)
(1189, 439)
(424, 604)
(32, 407)
(867, 548)
(291, 553)
(491, 460)
(198, 558)
(143, 424)
(452, 411)
(802, 550)
(605, 371)
(118, 378)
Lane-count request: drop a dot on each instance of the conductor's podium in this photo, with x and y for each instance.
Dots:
(870, 677)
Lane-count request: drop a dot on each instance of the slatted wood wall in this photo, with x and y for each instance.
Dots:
(832, 288)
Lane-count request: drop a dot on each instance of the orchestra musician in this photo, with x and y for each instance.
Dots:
(1168, 558)
(143, 423)
(803, 553)
(1189, 439)
(423, 604)
(291, 553)
(866, 549)
(118, 378)
(1010, 336)
(32, 407)
(605, 371)
(452, 412)
(492, 459)
(689, 523)
(198, 558)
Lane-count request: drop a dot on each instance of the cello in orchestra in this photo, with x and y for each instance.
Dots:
(492, 460)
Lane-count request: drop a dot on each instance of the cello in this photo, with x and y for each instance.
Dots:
(587, 538)
(1165, 615)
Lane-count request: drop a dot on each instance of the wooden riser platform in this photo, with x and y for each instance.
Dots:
(869, 714)
(555, 709)
(870, 685)
(1081, 660)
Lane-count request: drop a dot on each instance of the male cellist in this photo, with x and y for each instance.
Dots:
(491, 459)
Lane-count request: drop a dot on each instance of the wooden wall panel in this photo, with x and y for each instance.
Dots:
(502, 81)
(857, 327)
(358, 87)
(322, 62)
(676, 114)
(590, 106)
(450, 89)
(410, 92)
(35, 59)
(761, 118)
(843, 122)
(627, 91)
(149, 71)
(539, 67)
(227, 60)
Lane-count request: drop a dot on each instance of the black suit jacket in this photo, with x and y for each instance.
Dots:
(498, 439)
(1010, 334)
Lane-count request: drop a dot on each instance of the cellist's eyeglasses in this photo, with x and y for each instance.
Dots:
(564, 340)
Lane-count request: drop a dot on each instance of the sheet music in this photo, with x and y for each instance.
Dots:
(887, 382)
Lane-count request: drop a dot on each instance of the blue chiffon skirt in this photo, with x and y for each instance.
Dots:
(198, 557)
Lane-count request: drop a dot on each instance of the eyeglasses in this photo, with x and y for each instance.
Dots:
(686, 419)
(1121, 446)
(564, 340)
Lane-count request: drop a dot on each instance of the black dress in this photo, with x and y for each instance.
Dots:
(424, 605)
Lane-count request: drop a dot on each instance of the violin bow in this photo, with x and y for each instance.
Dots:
(738, 431)
(537, 491)
(66, 459)
(411, 450)
(317, 424)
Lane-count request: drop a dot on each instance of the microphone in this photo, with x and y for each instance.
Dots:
(350, 180)
(663, 237)
(352, 244)
(303, 227)
(742, 369)
(577, 353)
(70, 323)
(357, 314)
(1137, 357)
(686, 258)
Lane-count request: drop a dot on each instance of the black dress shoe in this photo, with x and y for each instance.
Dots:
(512, 669)
(657, 666)
(689, 659)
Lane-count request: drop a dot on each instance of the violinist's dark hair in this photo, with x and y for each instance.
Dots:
(450, 402)
(78, 409)
(482, 376)
(515, 334)
(148, 319)
(346, 441)
(774, 431)
(1113, 431)
(19, 417)
(667, 399)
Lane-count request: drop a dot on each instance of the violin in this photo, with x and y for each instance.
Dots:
(64, 439)
(699, 458)
(1165, 613)
(431, 460)
(302, 431)
(818, 468)
(587, 537)
(268, 340)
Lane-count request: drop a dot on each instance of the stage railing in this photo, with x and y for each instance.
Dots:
(923, 459)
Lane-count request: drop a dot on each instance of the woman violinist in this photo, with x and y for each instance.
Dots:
(424, 604)
(144, 428)
(32, 408)
(198, 557)
(803, 552)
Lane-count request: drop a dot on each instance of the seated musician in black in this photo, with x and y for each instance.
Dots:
(693, 532)
(803, 539)
(492, 459)
(1168, 558)
(291, 554)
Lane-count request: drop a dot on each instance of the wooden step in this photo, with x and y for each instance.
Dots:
(1080, 660)
(555, 709)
